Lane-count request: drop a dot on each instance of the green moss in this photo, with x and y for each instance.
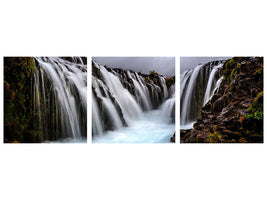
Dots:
(235, 71)
(259, 71)
(242, 140)
(153, 73)
(170, 81)
(259, 95)
(18, 109)
(227, 70)
(256, 108)
(215, 137)
(147, 79)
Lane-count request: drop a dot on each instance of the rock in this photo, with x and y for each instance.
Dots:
(243, 66)
(183, 133)
(253, 92)
(197, 126)
(213, 118)
(173, 138)
(218, 105)
(206, 106)
(232, 123)
(233, 141)
(234, 81)
(201, 138)
(214, 98)
(244, 83)
(224, 117)
(244, 104)
(249, 123)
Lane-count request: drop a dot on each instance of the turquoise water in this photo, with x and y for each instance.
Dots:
(152, 127)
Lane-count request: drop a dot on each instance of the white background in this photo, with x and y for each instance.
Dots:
(132, 28)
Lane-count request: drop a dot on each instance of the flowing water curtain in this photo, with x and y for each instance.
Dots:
(168, 106)
(197, 86)
(120, 96)
(211, 85)
(60, 96)
(115, 104)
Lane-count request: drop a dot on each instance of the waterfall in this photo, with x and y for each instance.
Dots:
(60, 97)
(192, 77)
(198, 85)
(121, 97)
(141, 91)
(168, 106)
(211, 82)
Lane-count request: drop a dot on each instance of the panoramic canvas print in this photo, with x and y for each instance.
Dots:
(45, 99)
(221, 100)
(133, 99)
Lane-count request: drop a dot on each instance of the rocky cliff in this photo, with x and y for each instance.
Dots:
(235, 113)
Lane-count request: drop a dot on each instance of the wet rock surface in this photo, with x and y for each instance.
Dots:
(235, 114)
(173, 138)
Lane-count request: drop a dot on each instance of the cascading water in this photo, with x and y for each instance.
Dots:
(123, 103)
(60, 98)
(209, 91)
(168, 107)
(198, 85)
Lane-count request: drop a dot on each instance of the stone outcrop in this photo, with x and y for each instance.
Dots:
(235, 113)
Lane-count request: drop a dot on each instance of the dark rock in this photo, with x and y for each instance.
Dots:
(218, 105)
(232, 123)
(243, 66)
(234, 114)
(206, 106)
(183, 134)
(173, 138)
(197, 126)
(253, 92)
(214, 98)
(199, 120)
(213, 118)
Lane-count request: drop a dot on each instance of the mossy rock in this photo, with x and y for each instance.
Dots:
(18, 102)
(170, 81)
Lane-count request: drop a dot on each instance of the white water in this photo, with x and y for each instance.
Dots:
(97, 127)
(113, 103)
(165, 90)
(168, 105)
(130, 108)
(68, 140)
(142, 92)
(188, 93)
(209, 91)
(62, 85)
(189, 82)
(187, 126)
(151, 127)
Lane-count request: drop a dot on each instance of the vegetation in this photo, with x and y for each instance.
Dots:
(170, 81)
(256, 108)
(153, 73)
(147, 79)
(18, 104)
